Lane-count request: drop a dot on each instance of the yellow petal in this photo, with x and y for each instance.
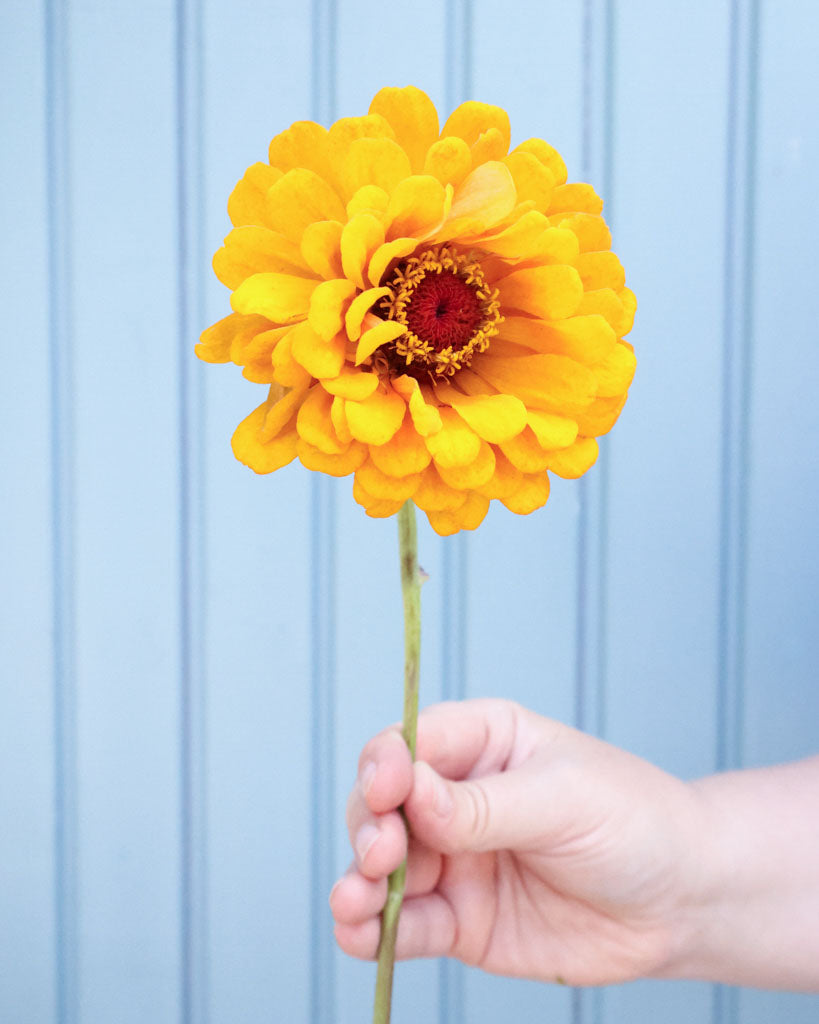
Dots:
(413, 117)
(285, 368)
(448, 160)
(473, 474)
(334, 465)
(490, 145)
(629, 302)
(404, 454)
(252, 250)
(328, 306)
(550, 430)
(248, 200)
(216, 341)
(504, 481)
(279, 297)
(359, 307)
(347, 130)
(385, 254)
(471, 119)
(263, 456)
(382, 333)
(315, 424)
(609, 305)
(587, 339)
(321, 248)
(483, 199)
(378, 508)
(321, 357)
(303, 144)
(572, 462)
(495, 418)
(615, 372)
(518, 240)
(532, 493)
(547, 155)
(456, 443)
(600, 270)
(433, 495)
(368, 199)
(575, 198)
(550, 292)
(591, 230)
(425, 416)
(338, 415)
(532, 180)
(382, 486)
(257, 355)
(525, 453)
(353, 384)
(379, 162)
(300, 198)
(283, 405)
(553, 383)
(468, 517)
(417, 207)
(361, 236)
(376, 419)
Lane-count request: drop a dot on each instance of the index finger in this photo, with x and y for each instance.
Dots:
(469, 738)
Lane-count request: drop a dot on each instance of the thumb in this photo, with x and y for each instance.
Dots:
(496, 812)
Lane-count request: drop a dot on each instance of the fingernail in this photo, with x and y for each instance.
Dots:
(367, 776)
(365, 838)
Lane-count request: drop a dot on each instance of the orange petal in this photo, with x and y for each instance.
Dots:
(377, 508)
(608, 304)
(300, 198)
(381, 334)
(263, 456)
(601, 416)
(490, 145)
(629, 301)
(468, 517)
(550, 292)
(600, 270)
(283, 405)
(572, 462)
(433, 495)
(425, 416)
(285, 368)
(359, 307)
(504, 481)
(362, 235)
(590, 229)
(473, 474)
(321, 357)
(385, 254)
(588, 339)
(615, 372)
(321, 248)
(328, 306)
(252, 250)
(368, 199)
(449, 160)
(257, 356)
(338, 415)
(413, 117)
(547, 155)
(553, 383)
(495, 418)
(552, 431)
(303, 144)
(248, 200)
(404, 454)
(417, 207)
(525, 453)
(532, 493)
(281, 298)
(381, 485)
(342, 464)
(456, 443)
(472, 119)
(482, 200)
(353, 384)
(376, 419)
(216, 342)
(532, 180)
(575, 198)
(315, 424)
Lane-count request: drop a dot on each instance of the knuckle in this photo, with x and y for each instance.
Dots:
(478, 813)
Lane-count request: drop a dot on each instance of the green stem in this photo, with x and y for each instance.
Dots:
(411, 591)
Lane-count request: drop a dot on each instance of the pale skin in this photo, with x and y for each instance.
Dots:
(540, 852)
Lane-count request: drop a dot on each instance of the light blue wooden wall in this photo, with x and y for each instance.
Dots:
(191, 656)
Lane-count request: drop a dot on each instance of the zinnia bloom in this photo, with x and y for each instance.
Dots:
(435, 314)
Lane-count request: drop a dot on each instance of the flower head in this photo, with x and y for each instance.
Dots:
(432, 313)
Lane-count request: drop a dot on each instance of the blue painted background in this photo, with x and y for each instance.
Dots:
(191, 656)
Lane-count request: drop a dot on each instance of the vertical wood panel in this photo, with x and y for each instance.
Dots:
(27, 863)
(124, 277)
(257, 80)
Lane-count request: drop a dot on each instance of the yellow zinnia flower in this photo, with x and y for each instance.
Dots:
(434, 314)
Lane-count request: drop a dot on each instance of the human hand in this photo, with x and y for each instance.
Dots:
(535, 850)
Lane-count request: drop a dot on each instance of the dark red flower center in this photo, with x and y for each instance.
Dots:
(444, 310)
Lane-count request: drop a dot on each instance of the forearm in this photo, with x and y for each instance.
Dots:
(752, 916)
